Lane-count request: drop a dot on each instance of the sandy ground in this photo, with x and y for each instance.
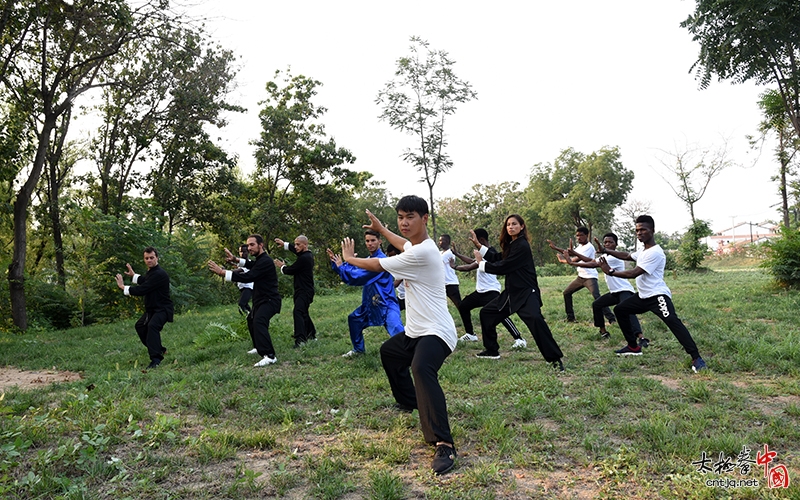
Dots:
(25, 380)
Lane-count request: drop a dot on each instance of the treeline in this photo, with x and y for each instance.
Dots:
(155, 86)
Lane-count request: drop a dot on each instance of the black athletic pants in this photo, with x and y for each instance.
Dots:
(424, 356)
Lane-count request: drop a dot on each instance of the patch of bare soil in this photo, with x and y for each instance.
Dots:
(669, 383)
(27, 380)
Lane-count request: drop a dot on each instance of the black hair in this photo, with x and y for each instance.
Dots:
(646, 219)
(506, 239)
(372, 232)
(446, 238)
(612, 236)
(258, 237)
(481, 233)
(151, 250)
(412, 203)
(243, 248)
(583, 230)
(391, 249)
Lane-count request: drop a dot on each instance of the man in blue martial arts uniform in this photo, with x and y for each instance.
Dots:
(379, 305)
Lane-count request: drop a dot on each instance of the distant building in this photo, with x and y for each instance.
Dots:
(741, 234)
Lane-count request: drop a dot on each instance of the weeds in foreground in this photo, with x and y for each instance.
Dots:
(206, 424)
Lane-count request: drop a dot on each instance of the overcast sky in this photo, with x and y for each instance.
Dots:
(549, 76)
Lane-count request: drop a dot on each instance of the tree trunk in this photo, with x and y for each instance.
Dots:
(55, 180)
(433, 214)
(16, 270)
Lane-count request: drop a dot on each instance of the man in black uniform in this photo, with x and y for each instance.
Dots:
(303, 272)
(158, 308)
(266, 299)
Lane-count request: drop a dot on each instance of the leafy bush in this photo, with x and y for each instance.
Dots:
(783, 258)
(691, 253)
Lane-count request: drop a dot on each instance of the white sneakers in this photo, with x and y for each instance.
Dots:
(252, 351)
(519, 344)
(266, 360)
(468, 337)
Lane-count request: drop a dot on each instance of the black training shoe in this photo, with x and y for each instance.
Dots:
(443, 459)
(153, 364)
(488, 355)
(557, 365)
(629, 351)
(402, 408)
(605, 335)
(643, 342)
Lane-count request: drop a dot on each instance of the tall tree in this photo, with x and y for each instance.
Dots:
(60, 56)
(743, 40)
(776, 121)
(418, 101)
(579, 189)
(295, 160)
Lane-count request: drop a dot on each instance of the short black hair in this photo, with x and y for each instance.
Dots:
(392, 250)
(646, 219)
(411, 203)
(151, 250)
(612, 236)
(481, 233)
(583, 230)
(372, 232)
(446, 238)
(258, 237)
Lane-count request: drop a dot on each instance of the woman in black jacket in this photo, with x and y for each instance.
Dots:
(521, 294)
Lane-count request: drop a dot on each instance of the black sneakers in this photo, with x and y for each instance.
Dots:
(443, 459)
(488, 355)
(557, 365)
(153, 364)
(402, 408)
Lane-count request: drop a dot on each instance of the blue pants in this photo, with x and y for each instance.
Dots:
(360, 319)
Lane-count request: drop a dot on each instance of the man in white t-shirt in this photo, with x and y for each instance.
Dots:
(430, 334)
(654, 294)
(618, 289)
(450, 278)
(587, 277)
(487, 288)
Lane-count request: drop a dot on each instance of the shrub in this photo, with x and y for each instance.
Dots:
(783, 258)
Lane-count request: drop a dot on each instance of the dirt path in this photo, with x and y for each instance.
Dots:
(26, 380)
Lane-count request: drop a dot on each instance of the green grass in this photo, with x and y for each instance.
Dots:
(206, 424)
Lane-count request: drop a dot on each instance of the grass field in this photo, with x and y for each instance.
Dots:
(206, 424)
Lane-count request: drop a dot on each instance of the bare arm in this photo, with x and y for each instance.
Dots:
(627, 274)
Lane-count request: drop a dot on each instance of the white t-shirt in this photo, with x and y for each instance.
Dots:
(586, 250)
(615, 284)
(486, 282)
(651, 283)
(401, 290)
(426, 303)
(450, 277)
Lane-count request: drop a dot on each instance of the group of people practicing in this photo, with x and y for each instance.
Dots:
(416, 350)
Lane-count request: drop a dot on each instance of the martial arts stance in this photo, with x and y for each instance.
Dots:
(379, 306)
(487, 288)
(303, 272)
(521, 295)
(158, 308)
(430, 334)
(266, 299)
(654, 294)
